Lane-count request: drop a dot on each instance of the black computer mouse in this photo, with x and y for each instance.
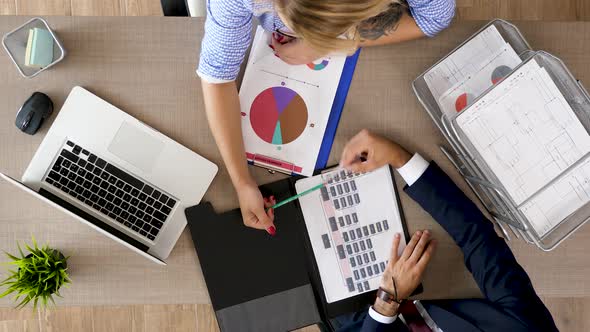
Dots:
(34, 111)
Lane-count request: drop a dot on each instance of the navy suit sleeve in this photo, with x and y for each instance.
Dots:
(489, 259)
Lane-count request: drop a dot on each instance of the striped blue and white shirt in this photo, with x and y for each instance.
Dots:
(228, 31)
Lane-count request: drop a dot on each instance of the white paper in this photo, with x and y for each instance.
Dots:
(525, 131)
(284, 108)
(490, 72)
(465, 61)
(559, 200)
(340, 224)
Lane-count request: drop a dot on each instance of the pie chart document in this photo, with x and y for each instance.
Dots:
(285, 109)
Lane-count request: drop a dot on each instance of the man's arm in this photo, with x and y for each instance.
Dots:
(404, 272)
(499, 276)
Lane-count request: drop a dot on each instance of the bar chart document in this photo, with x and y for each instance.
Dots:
(351, 222)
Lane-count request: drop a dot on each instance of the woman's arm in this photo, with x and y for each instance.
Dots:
(223, 112)
(428, 17)
(406, 29)
(223, 106)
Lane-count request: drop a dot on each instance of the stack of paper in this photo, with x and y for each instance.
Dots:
(533, 142)
(464, 75)
(39, 51)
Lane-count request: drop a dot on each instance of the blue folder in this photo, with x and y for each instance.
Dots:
(336, 111)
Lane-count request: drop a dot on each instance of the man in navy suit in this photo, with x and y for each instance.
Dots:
(510, 303)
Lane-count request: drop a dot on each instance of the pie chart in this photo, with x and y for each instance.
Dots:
(499, 73)
(319, 65)
(278, 115)
(462, 101)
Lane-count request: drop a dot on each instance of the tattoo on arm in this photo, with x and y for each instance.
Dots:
(384, 23)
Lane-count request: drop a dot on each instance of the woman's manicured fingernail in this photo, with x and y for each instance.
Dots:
(419, 233)
(272, 230)
(277, 56)
(269, 45)
(397, 235)
(426, 232)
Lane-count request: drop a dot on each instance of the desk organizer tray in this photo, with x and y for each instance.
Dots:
(463, 155)
(15, 44)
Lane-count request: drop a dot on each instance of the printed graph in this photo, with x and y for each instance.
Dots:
(499, 73)
(466, 98)
(318, 65)
(526, 132)
(463, 100)
(278, 115)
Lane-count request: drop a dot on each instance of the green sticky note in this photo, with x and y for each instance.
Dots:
(39, 48)
(29, 47)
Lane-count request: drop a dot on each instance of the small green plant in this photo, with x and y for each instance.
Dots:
(39, 275)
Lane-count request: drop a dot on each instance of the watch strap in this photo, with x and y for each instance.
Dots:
(385, 296)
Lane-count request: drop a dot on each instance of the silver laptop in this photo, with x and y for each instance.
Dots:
(117, 175)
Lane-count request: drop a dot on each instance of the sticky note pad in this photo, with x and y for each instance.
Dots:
(29, 47)
(39, 51)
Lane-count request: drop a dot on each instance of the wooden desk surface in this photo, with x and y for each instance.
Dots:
(146, 66)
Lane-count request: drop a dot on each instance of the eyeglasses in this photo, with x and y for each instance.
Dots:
(285, 34)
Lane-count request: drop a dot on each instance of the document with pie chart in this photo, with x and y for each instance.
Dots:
(285, 109)
(460, 78)
(489, 72)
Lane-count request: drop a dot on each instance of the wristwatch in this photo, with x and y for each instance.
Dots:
(386, 296)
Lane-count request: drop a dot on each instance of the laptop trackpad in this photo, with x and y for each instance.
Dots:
(136, 146)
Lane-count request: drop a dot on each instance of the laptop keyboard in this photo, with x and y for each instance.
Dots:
(110, 190)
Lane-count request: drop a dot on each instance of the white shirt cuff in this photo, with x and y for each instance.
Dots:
(211, 79)
(413, 169)
(380, 318)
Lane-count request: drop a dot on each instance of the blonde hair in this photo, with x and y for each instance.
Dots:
(323, 23)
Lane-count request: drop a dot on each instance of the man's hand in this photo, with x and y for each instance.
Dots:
(406, 270)
(253, 208)
(375, 150)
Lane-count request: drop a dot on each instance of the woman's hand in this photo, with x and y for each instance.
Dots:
(367, 151)
(293, 51)
(406, 270)
(253, 207)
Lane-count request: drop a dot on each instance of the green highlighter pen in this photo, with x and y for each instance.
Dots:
(292, 198)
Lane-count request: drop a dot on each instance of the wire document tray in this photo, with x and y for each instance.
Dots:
(508, 212)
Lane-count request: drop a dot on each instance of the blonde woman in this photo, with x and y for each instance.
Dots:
(304, 30)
